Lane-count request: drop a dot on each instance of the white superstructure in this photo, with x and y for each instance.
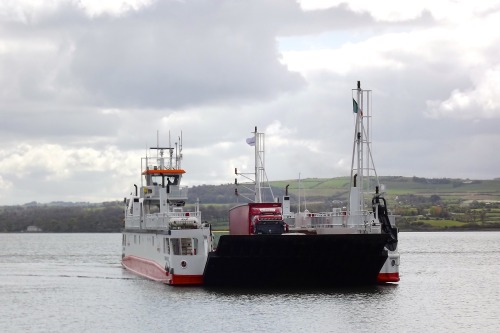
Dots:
(162, 240)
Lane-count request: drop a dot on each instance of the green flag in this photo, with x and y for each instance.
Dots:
(354, 106)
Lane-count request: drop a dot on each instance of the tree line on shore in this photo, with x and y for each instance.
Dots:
(109, 217)
(105, 217)
(419, 212)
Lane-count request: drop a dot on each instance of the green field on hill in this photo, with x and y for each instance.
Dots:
(420, 203)
(455, 189)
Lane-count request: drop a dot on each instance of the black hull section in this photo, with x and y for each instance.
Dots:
(301, 260)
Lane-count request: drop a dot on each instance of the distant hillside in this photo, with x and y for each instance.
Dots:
(329, 189)
(395, 185)
(420, 203)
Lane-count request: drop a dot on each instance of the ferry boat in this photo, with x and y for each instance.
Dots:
(366, 211)
(162, 240)
(270, 245)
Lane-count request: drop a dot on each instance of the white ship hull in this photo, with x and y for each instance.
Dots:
(178, 258)
(162, 240)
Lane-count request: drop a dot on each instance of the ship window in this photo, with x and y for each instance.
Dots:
(152, 209)
(153, 241)
(156, 180)
(186, 246)
(182, 246)
(195, 246)
(135, 240)
(176, 248)
(166, 246)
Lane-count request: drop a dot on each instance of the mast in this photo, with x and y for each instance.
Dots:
(258, 166)
(362, 165)
(178, 155)
(259, 181)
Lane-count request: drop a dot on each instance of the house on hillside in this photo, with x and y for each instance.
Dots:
(33, 228)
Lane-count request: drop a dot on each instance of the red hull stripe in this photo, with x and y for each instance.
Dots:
(186, 279)
(388, 277)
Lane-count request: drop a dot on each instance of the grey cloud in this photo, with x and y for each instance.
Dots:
(171, 54)
(177, 54)
(341, 18)
(39, 123)
(212, 69)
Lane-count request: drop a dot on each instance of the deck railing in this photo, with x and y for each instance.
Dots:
(159, 221)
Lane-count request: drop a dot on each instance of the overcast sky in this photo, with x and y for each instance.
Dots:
(86, 84)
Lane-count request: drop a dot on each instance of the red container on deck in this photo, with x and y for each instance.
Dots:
(247, 218)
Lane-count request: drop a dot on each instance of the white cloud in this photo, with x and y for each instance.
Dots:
(396, 10)
(468, 48)
(481, 101)
(30, 11)
(58, 162)
(5, 185)
(347, 59)
(115, 7)
(86, 85)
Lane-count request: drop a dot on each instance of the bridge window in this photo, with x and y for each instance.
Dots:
(184, 246)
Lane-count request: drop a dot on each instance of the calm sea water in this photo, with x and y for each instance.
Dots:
(450, 282)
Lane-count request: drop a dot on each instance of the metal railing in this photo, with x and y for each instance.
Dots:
(159, 220)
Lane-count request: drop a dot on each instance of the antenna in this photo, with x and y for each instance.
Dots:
(300, 186)
(171, 150)
(179, 157)
(260, 180)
